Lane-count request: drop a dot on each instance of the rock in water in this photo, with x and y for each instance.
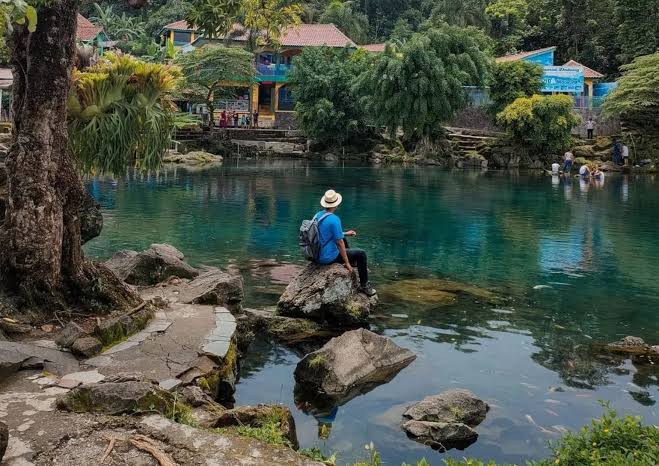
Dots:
(347, 366)
(446, 420)
(4, 439)
(91, 219)
(156, 264)
(326, 293)
(630, 345)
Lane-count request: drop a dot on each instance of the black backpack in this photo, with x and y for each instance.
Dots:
(309, 238)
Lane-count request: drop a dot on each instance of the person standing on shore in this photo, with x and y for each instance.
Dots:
(625, 155)
(333, 248)
(590, 127)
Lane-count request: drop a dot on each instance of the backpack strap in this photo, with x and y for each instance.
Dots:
(323, 217)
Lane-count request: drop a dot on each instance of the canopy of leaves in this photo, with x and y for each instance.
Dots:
(636, 99)
(512, 80)
(421, 86)
(326, 108)
(350, 21)
(263, 20)
(542, 123)
(119, 113)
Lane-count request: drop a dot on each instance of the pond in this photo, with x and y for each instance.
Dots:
(571, 265)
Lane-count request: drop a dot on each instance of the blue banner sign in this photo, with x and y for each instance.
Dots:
(563, 79)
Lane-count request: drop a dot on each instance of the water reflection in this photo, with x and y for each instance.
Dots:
(572, 269)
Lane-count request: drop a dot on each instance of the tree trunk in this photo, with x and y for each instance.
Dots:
(42, 259)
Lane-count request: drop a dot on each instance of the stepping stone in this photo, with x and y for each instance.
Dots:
(84, 377)
(158, 326)
(217, 348)
(99, 361)
(69, 383)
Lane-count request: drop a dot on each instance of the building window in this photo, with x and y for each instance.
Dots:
(181, 37)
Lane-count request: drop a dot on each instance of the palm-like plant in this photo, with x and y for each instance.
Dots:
(120, 112)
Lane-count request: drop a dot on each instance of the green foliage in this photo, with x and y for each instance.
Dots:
(208, 68)
(421, 86)
(327, 108)
(18, 12)
(172, 10)
(267, 429)
(512, 80)
(120, 113)
(315, 454)
(344, 16)
(636, 99)
(609, 441)
(263, 20)
(638, 30)
(121, 27)
(542, 123)
(508, 21)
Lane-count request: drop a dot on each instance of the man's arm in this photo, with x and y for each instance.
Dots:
(342, 250)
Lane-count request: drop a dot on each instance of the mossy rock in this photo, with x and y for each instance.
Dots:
(433, 291)
(129, 397)
(116, 329)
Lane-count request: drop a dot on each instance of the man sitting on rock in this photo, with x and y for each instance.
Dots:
(334, 248)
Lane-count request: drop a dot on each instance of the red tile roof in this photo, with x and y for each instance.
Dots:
(304, 35)
(86, 29)
(587, 72)
(315, 35)
(522, 55)
(374, 47)
(181, 25)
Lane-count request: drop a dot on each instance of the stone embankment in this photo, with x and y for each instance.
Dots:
(164, 370)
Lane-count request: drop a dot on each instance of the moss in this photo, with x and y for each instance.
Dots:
(202, 382)
(230, 362)
(78, 401)
(111, 333)
(317, 361)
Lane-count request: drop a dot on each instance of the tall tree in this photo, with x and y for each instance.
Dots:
(326, 105)
(207, 68)
(41, 259)
(351, 22)
(512, 80)
(638, 30)
(508, 21)
(421, 86)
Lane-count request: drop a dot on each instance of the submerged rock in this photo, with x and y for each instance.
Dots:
(433, 291)
(260, 416)
(630, 345)
(446, 420)
(156, 264)
(347, 366)
(326, 293)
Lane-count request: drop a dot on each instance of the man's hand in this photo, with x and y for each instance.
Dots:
(348, 267)
(350, 233)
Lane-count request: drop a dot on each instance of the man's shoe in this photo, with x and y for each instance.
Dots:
(368, 290)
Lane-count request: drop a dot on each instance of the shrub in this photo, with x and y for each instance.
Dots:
(541, 123)
(512, 80)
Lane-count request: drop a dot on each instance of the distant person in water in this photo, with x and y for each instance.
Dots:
(333, 247)
(568, 160)
(584, 171)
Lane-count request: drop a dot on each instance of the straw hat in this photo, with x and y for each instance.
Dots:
(331, 199)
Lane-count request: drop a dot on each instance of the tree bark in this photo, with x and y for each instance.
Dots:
(42, 259)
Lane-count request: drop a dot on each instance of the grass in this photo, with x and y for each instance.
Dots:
(268, 429)
(316, 455)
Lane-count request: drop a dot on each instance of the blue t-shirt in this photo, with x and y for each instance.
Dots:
(330, 231)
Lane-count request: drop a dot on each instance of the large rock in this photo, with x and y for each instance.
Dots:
(258, 416)
(16, 355)
(156, 264)
(114, 398)
(292, 331)
(214, 287)
(192, 158)
(69, 334)
(4, 439)
(446, 420)
(347, 366)
(326, 293)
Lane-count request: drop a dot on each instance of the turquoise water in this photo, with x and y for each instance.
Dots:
(572, 265)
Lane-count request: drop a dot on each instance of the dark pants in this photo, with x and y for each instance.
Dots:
(357, 258)
(590, 134)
